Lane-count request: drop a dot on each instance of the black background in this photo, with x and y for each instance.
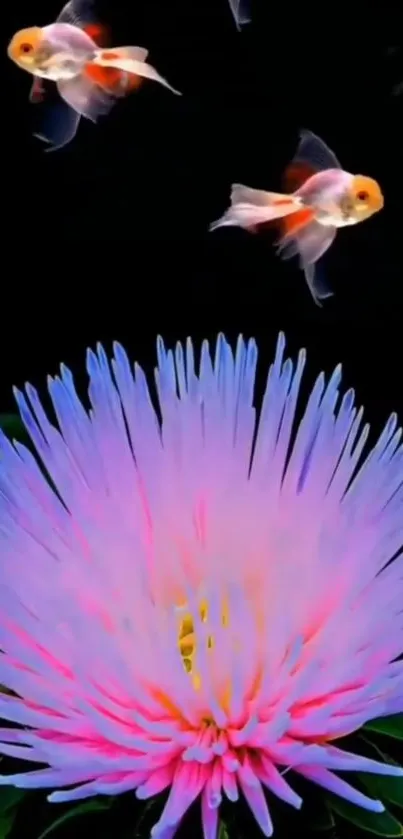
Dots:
(108, 238)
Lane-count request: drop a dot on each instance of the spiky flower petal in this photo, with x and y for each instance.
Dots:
(205, 601)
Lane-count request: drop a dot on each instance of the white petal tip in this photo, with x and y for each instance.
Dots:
(55, 798)
(395, 771)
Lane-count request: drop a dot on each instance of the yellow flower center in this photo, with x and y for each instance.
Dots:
(187, 639)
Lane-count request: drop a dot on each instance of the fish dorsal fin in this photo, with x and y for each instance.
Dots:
(314, 151)
(295, 175)
(312, 156)
(81, 13)
(77, 13)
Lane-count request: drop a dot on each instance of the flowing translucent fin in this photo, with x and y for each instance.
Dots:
(83, 14)
(310, 241)
(57, 124)
(132, 60)
(78, 13)
(251, 207)
(314, 152)
(85, 97)
(241, 12)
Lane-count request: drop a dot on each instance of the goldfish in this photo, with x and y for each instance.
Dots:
(320, 197)
(89, 77)
(241, 12)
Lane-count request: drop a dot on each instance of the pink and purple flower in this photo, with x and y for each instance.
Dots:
(203, 597)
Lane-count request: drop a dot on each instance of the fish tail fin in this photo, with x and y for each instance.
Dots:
(252, 207)
(115, 82)
(115, 55)
(131, 61)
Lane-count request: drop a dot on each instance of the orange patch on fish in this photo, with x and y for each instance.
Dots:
(110, 56)
(37, 93)
(296, 174)
(112, 79)
(133, 82)
(107, 77)
(283, 202)
(98, 33)
(291, 224)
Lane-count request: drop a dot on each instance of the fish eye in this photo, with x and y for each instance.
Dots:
(362, 195)
(25, 48)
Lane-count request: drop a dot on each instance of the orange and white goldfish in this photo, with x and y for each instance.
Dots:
(320, 197)
(241, 12)
(88, 77)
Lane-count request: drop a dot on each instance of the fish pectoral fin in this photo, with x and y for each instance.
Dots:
(57, 124)
(317, 282)
(37, 92)
(313, 241)
(309, 241)
(85, 97)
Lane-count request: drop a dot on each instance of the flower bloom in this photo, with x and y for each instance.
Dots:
(201, 600)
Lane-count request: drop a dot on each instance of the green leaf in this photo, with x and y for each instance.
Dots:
(322, 819)
(146, 810)
(383, 824)
(222, 830)
(391, 726)
(13, 426)
(9, 798)
(81, 810)
(385, 787)
(6, 825)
